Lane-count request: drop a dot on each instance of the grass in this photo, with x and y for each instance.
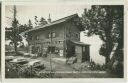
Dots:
(85, 75)
(61, 67)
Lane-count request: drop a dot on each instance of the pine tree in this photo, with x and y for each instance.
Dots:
(30, 26)
(42, 21)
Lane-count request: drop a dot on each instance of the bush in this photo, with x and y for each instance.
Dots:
(19, 71)
(46, 74)
(12, 70)
(97, 66)
(117, 68)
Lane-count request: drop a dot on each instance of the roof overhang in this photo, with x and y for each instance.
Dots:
(80, 43)
(65, 19)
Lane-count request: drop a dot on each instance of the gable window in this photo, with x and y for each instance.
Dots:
(52, 34)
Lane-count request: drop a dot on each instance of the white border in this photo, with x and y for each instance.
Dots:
(63, 80)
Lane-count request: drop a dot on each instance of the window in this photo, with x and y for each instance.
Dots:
(51, 49)
(48, 42)
(37, 37)
(77, 35)
(60, 42)
(83, 49)
(51, 35)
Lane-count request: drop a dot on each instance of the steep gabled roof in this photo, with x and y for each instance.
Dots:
(54, 22)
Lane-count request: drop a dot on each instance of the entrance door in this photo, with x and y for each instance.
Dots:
(83, 54)
(78, 51)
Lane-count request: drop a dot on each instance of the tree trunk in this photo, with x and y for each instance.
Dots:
(109, 47)
(15, 47)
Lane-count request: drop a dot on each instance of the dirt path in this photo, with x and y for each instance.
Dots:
(59, 66)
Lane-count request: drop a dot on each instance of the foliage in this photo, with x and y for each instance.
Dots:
(107, 22)
(36, 20)
(46, 74)
(42, 21)
(30, 26)
(13, 33)
(20, 71)
(95, 66)
(12, 70)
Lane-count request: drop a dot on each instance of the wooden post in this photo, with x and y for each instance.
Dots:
(51, 54)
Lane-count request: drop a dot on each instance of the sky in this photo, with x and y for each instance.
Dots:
(56, 11)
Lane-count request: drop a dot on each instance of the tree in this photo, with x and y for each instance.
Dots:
(13, 33)
(30, 26)
(24, 27)
(36, 21)
(107, 22)
(15, 37)
(42, 21)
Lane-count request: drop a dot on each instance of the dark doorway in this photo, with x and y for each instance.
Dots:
(85, 53)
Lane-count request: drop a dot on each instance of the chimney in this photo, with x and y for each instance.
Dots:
(49, 19)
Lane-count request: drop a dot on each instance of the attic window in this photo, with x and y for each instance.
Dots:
(52, 35)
